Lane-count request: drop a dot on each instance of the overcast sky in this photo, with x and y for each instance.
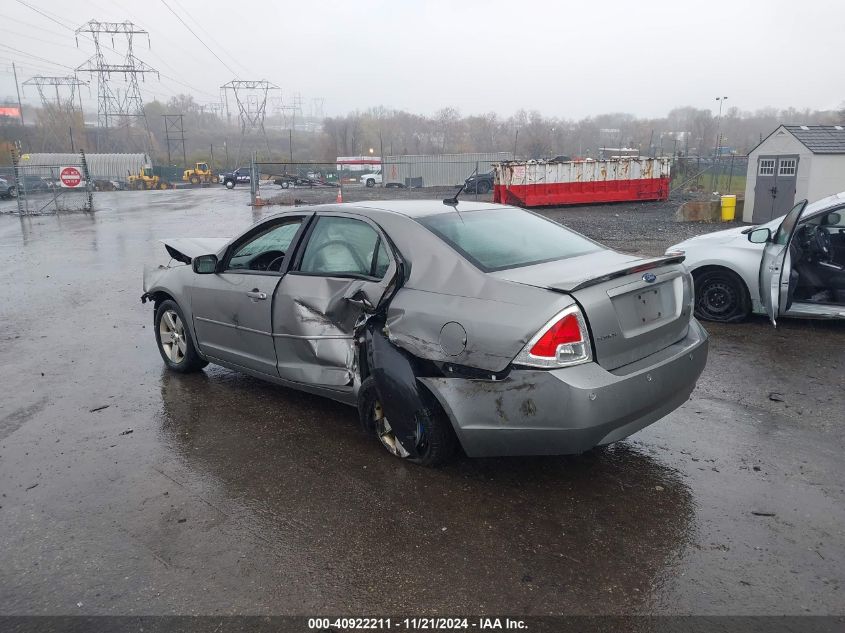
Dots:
(569, 58)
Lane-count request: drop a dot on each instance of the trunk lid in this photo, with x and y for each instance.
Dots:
(634, 307)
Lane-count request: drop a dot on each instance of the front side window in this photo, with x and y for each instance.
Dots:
(266, 250)
(497, 239)
(344, 247)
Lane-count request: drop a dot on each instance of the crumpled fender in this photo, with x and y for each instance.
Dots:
(403, 399)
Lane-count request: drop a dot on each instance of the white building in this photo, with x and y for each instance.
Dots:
(792, 163)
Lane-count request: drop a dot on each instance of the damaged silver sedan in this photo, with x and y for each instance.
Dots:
(471, 324)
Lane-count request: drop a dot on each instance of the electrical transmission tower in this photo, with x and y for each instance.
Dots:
(118, 107)
(317, 107)
(59, 112)
(292, 110)
(174, 131)
(250, 98)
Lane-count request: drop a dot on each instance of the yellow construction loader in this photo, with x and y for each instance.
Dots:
(146, 179)
(201, 173)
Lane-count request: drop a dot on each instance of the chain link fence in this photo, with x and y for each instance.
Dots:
(313, 182)
(288, 183)
(697, 176)
(42, 189)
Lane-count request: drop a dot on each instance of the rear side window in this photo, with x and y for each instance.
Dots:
(498, 239)
(344, 247)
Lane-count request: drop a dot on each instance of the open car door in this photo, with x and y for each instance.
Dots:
(776, 265)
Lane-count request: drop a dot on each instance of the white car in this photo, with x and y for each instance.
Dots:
(371, 179)
(792, 266)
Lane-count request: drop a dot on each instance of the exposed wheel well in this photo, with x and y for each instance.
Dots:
(158, 297)
(698, 272)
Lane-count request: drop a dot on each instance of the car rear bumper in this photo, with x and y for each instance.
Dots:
(567, 411)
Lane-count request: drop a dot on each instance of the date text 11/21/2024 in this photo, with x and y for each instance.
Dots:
(416, 624)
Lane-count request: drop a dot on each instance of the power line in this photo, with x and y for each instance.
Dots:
(178, 17)
(55, 20)
(210, 36)
(36, 39)
(20, 52)
(32, 26)
(26, 4)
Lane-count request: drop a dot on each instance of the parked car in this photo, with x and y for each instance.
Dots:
(446, 323)
(479, 183)
(7, 190)
(31, 184)
(294, 180)
(793, 265)
(240, 176)
(103, 184)
(372, 179)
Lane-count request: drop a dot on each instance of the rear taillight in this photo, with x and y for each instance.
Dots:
(563, 341)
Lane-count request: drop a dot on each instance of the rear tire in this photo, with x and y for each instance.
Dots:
(174, 340)
(482, 187)
(721, 296)
(438, 441)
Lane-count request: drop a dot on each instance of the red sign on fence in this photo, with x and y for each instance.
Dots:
(70, 177)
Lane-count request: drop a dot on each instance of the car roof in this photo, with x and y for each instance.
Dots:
(421, 208)
(824, 204)
(408, 208)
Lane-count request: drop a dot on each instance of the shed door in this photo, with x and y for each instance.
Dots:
(774, 189)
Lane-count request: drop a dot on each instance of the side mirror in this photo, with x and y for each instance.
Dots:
(359, 297)
(760, 236)
(205, 264)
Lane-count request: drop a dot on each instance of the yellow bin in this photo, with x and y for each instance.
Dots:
(728, 208)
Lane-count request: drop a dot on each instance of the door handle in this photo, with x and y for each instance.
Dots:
(256, 295)
(774, 191)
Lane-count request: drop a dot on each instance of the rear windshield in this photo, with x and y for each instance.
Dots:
(506, 238)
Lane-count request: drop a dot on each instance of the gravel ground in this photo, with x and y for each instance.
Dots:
(645, 228)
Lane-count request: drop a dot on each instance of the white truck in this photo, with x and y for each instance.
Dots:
(372, 179)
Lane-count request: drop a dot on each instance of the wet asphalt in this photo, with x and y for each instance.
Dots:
(125, 489)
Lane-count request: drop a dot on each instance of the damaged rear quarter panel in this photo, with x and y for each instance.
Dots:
(443, 287)
(496, 329)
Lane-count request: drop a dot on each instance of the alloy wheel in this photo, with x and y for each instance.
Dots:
(172, 336)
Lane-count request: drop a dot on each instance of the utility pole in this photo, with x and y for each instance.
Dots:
(716, 154)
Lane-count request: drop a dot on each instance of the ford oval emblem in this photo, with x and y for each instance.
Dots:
(649, 277)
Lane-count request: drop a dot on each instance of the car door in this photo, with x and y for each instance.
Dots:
(345, 263)
(233, 307)
(776, 265)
